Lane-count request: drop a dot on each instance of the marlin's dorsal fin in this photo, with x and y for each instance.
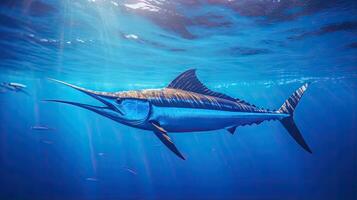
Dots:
(188, 81)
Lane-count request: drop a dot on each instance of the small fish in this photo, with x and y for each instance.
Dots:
(131, 171)
(15, 87)
(92, 179)
(47, 142)
(41, 128)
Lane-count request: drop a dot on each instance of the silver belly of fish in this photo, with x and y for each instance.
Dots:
(175, 119)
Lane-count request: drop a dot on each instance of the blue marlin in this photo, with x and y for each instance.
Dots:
(187, 105)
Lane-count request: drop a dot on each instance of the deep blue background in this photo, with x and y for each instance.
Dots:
(259, 51)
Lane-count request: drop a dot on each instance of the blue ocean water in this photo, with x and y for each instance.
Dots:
(256, 50)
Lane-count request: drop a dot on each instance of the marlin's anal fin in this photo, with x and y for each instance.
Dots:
(161, 133)
(232, 129)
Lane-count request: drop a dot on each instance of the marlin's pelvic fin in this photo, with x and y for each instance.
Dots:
(162, 135)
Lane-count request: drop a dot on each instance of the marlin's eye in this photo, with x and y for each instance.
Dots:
(118, 100)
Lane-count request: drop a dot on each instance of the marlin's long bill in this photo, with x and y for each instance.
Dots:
(95, 94)
(187, 105)
(85, 106)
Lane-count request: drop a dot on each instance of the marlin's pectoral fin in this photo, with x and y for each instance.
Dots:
(161, 133)
(232, 129)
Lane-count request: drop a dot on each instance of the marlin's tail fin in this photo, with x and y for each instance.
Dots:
(289, 107)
